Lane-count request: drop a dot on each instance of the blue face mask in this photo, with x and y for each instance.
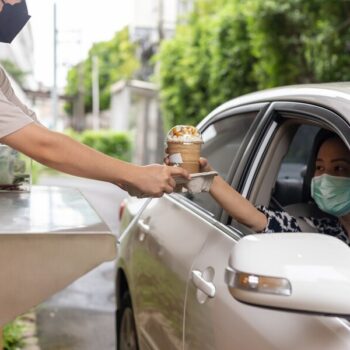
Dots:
(12, 20)
(331, 194)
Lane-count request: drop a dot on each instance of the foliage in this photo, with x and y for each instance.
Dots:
(275, 30)
(231, 47)
(327, 41)
(184, 84)
(112, 143)
(231, 57)
(15, 72)
(207, 62)
(298, 41)
(116, 60)
(12, 335)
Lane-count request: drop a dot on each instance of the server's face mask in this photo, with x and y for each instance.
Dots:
(331, 194)
(13, 17)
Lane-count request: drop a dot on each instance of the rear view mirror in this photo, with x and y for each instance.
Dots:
(305, 272)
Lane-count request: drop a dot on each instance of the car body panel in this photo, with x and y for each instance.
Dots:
(161, 262)
(171, 311)
(206, 323)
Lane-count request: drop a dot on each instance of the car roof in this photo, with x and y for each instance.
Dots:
(334, 96)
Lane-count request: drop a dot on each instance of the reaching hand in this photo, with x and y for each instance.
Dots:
(204, 166)
(153, 180)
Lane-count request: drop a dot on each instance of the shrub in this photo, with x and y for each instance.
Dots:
(226, 48)
(113, 143)
(12, 335)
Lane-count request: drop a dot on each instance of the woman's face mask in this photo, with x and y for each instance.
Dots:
(330, 188)
(331, 194)
(13, 17)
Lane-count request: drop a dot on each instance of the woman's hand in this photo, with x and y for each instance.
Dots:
(232, 201)
(204, 166)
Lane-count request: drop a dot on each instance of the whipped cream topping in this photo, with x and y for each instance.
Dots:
(184, 133)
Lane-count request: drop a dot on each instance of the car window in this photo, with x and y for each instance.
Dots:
(222, 140)
(289, 185)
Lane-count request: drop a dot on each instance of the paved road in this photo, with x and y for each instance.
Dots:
(81, 317)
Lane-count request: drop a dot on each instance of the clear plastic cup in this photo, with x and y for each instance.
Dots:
(15, 170)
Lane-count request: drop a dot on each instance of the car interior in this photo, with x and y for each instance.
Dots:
(283, 181)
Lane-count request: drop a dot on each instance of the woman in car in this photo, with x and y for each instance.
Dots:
(330, 189)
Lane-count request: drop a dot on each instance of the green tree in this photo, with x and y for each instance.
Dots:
(231, 47)
(184, 75)
(298, 41)
(275, 31)
(207, 62)
(117, 60)
(231, 58)
(327, 40)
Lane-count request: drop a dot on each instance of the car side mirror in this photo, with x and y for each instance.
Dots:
(304, 272)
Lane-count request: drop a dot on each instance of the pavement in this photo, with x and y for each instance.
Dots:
(81, 317)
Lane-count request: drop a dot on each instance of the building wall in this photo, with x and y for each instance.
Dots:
(135, 104)
(135, 108)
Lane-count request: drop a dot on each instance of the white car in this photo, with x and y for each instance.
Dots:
(190, 277)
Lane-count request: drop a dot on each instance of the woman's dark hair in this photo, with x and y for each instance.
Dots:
(321, 137)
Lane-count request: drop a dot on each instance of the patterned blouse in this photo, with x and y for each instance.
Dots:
(281, 221)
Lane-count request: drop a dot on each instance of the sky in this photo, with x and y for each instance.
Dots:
(80, 23)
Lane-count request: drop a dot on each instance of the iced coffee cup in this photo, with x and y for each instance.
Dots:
(184, 147)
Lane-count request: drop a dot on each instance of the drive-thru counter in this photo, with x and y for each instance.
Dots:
(49, 237)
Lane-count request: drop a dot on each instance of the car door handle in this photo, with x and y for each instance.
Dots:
(206, 287)
(144, 227)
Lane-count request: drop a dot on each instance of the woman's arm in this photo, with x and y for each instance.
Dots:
(61, 152)
(237, 206)
(234, 203)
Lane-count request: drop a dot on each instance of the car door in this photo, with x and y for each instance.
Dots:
(218, 321)
(172, 231)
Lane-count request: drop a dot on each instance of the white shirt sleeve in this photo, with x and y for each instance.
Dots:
(14, 115)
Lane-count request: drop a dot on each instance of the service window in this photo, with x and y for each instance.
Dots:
(222, 140)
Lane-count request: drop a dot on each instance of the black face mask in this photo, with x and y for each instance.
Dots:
(12, 20)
